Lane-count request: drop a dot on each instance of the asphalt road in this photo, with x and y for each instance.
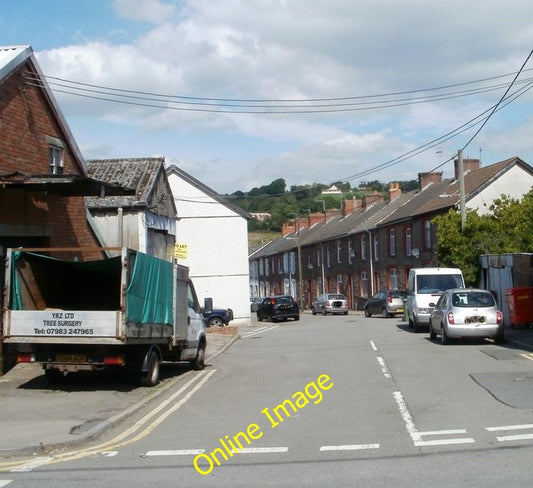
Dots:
(374, 405)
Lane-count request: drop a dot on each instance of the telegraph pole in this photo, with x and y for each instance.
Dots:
(461, 172)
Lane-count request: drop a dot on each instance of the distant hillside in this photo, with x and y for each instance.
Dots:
(284, 205)
(256, 239)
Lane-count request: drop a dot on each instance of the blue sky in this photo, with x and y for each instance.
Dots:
(264, 53)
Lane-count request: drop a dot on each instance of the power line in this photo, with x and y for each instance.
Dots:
(255, 106)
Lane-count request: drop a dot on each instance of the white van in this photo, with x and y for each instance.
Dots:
(425, 286)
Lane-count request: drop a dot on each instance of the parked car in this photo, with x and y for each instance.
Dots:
(333, 303)
(388, 303)
(466, 312)
(281, 307)
(218, 317)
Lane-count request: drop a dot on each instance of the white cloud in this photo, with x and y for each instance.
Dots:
(296, 49)
(154, 11)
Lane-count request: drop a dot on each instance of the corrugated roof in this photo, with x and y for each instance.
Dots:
(137, 173)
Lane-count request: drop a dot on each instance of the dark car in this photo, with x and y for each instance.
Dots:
(386, 302)
(281, 307)
(218, 317)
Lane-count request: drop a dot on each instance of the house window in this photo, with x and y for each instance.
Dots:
(318, 256)
(392, 242)
(363, 247)
(376, 248)
(309, 260)
(363, 285)
(55, 159)
(340, 282)
(408, 242)
(351, 253)
(393, 278)
(339, 250)
(427, 234)
(328, 256)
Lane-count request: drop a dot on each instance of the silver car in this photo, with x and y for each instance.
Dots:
(466, 312)
(333, 303)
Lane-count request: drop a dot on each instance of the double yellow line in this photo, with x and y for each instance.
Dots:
(139, 430)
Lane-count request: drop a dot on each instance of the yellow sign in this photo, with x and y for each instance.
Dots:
(180, 251)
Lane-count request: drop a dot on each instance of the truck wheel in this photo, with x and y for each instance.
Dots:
(198, 363)
(151, 377)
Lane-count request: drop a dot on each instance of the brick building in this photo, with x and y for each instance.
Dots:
(374, 242)
(43, 179)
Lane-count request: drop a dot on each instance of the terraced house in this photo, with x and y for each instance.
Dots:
(372, 243)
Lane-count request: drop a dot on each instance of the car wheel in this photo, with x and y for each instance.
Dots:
(324, 311)
(296, 317)
(416, 326)
(215, 322)
(444, 339)
(367, 312)
(385, 313)
(313, 311)
(432, 335)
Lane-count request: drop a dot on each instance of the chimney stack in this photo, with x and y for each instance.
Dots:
(468, 165)
(352, 205)
(425, 179)
(394, 191)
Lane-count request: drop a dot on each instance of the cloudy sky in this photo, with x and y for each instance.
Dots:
(239, 93)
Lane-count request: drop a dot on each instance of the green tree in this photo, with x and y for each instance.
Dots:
(507, 229)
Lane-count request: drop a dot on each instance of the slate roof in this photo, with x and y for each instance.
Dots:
(140, 174)
(433, 198)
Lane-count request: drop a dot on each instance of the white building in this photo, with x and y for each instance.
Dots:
(212, 235)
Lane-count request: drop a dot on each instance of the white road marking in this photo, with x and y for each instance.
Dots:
(260, 450)
(174, 452)
(384, 368)
(350, 447)
(516, 437)
(261, 330)
(5, 482)
(35, 463)
(417, 436)
(373, 346)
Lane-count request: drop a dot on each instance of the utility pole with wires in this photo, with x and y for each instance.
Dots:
(461, 171)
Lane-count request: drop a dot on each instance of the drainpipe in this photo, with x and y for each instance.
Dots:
(120, 225)
(371, 263)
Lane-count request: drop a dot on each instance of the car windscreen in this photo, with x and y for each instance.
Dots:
(473, 299)
(397, 294)
(284, 300)
(427, 284)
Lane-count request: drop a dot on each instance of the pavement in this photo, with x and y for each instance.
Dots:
(38, 418)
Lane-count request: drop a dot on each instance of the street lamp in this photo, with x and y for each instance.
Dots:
(299, 295)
